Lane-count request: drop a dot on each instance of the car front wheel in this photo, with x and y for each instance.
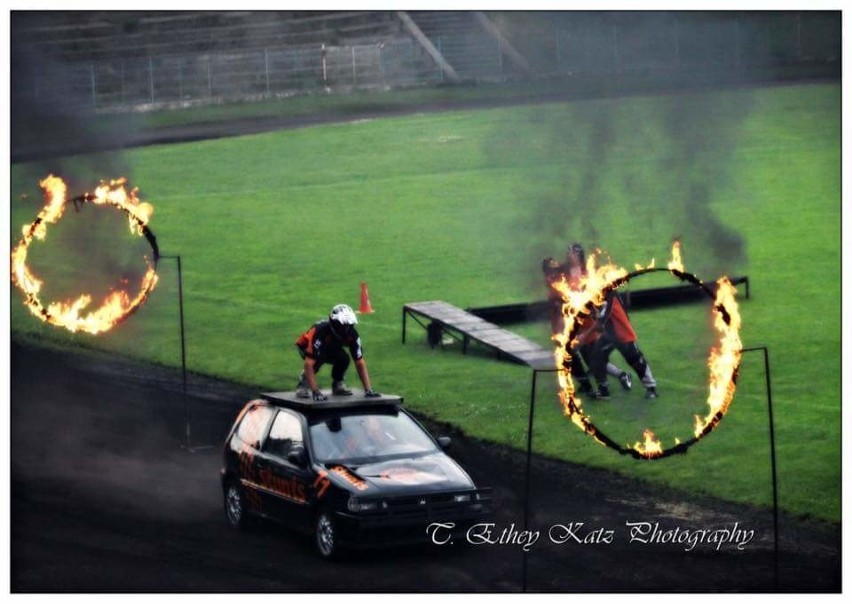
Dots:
(235, 506)
(326, 536)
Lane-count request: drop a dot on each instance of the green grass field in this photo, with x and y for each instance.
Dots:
(274, 229)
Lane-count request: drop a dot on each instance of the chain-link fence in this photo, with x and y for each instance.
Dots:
(596, 44)
(257, 74)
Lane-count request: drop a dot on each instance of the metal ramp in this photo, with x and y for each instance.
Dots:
(466, 327)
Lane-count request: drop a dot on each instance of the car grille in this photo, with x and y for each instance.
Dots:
(405, 519)
(434, 507)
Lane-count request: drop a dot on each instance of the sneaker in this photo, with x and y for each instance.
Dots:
(586, 388)
(651, 393)
(302, 388)
(625, 380)
(340, 389)
(602, 393)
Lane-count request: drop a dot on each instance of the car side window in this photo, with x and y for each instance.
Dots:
(285, 435)
(253, 426)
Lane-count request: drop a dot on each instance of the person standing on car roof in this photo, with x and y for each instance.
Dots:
(325, 342)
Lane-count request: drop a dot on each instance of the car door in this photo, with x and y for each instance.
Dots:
(285, 478)
(246, 446)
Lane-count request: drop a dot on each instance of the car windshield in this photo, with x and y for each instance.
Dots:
(368, 436)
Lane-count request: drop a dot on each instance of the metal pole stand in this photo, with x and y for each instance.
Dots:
(527, 480)
(187, 446)
(765, 351)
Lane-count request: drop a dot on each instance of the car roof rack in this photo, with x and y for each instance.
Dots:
(356, 400)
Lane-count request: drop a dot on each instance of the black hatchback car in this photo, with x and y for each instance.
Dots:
(354, 471)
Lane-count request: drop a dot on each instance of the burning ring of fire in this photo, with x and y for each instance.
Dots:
(723, 362)
(118, 305)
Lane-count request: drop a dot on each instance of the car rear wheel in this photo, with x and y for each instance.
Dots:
(235, 506)
(326, 536)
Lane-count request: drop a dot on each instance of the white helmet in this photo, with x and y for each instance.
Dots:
(343, 314)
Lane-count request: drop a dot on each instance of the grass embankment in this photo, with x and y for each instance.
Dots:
(274, 229)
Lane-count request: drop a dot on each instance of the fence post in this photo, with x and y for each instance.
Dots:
(266, 66)
(382, 63)
(737, 57)
(676, 31)
(767, 28)
(209, 76)
(94, 86)
(615, 47)
(499, 57)
(324, 56)
(558, 51)
(440, 67)
(798, 37)
(353, 65)
(123, 98)
(180, 79)
(151, 75)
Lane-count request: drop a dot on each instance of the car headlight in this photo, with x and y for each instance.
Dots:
(359, 505)
(462, 498)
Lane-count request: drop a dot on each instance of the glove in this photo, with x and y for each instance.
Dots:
(371, 394)
(319, 396)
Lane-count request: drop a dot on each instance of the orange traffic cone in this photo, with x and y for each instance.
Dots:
(365, 307)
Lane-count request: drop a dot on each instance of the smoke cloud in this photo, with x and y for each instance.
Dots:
(630, 174)
(54, 122)
(55, 130)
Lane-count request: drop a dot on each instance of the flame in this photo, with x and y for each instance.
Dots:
(676, 263)
(54, 189)
(584, 293)
(114, 193)
(118, 304)
(725, 359)
(588, 289)
(651, 447)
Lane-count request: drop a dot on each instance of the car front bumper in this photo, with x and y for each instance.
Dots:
(408, 520)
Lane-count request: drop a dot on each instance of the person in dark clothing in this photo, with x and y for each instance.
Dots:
(327, 341)
(553, 274)
(610, 331)
(617, 334)
(571, 272)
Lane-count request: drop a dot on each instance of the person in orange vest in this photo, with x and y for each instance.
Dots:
(571, 272)
(326, 342)
(618, 334)
(613, 332)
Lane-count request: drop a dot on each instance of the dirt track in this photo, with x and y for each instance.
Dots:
(104, 498)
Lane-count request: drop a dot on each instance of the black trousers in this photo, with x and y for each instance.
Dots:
(338, 358)
(599, 357)
(579, 361)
